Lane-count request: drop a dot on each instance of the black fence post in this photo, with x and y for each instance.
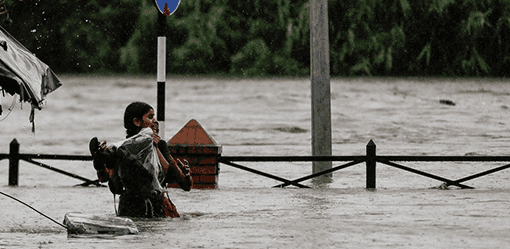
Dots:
(371, 165)
(13, 163)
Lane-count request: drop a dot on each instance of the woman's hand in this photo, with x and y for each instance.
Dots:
(156, 137)
(184, 179)
(155, 130)
(184, 166)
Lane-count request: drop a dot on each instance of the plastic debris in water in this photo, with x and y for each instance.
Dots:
(95, 224)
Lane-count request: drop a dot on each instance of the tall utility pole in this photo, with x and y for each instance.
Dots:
(321, 92)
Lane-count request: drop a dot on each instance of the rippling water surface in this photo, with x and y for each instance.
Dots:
(272, 117)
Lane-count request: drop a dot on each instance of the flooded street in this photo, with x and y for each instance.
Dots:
(258, 117)
(286, 218)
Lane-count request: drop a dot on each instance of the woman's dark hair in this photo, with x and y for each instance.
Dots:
(134, 110)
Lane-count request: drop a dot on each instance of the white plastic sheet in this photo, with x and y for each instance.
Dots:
(95, 224)
(142, 146)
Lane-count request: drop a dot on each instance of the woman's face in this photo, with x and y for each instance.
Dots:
(148, 120)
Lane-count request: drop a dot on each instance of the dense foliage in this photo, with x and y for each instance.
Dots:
(267, 37)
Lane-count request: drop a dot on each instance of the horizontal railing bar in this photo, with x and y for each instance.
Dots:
(353, 158)
(290, 158)
(56, 157)
(299, 158)
(447, 158)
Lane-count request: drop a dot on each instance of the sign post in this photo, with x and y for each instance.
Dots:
(165, 8)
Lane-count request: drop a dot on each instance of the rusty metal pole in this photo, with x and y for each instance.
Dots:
(321, 92)
(13, 163)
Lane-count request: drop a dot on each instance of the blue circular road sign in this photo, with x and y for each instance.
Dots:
(167, 7)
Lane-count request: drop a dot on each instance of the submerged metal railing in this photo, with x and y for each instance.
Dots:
(14, 157)
(370, 159)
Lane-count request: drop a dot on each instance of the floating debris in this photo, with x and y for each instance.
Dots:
(291, 129)
(446, 102)
(443, 186)
(94, 224)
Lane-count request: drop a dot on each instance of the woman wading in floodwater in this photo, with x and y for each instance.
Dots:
(136, 168)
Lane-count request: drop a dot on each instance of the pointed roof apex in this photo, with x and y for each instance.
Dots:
(371, 143)
(192, 134)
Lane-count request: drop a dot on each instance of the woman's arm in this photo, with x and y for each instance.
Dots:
(162, 159)
(171, 165)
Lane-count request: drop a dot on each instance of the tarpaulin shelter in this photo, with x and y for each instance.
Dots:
(22, 73)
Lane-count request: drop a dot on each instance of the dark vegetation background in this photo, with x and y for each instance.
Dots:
(267, 37)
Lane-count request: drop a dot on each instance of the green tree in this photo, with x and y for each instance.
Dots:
(72, 35)
(204, 51)
(268, 37)
(276, 41)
